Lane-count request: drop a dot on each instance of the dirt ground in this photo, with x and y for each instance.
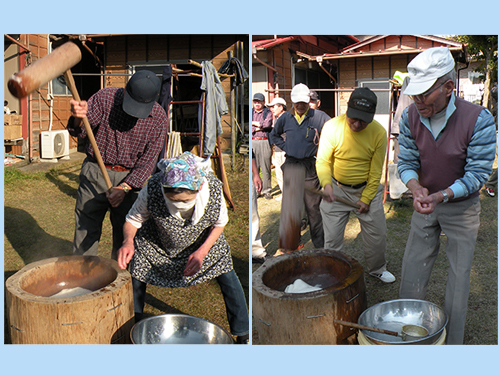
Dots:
(39, 224)
(482, 317)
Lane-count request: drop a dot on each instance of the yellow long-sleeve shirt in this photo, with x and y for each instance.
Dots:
(352, 157)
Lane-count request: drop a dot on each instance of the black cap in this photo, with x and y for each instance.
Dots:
(141, 93)
(259, 96)
(362, 104)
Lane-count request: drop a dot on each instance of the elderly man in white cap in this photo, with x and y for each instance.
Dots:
(303, 127)
(447, 148)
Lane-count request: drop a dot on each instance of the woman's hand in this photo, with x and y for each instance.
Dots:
(125, 254)
(195, 262)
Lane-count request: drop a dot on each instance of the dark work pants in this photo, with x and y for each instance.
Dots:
(92, 206)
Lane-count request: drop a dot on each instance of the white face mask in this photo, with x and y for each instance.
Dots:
(182, 206)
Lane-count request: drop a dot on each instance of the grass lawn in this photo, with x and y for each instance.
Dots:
(482, 316)
(39, 224)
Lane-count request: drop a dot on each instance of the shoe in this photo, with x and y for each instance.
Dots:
(489, 191)
(245, 339)
(386, 277)
(303, 224)
(268, 196)
(260, 260)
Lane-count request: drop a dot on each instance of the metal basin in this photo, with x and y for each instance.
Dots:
(178, 329)
(393, 315)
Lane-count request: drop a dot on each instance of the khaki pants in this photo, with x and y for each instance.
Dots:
(373, 228)
(460, 223)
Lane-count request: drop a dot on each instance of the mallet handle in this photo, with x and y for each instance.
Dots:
(72, 87)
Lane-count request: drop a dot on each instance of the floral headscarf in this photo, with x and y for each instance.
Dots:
(184, 171)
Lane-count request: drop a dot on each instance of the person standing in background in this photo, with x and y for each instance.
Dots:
(262, 124)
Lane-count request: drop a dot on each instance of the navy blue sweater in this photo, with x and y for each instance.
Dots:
(301, 140)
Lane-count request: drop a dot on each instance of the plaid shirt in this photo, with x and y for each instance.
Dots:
(124, 140)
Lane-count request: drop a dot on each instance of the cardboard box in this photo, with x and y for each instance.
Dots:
(12, 120)
(13, 132)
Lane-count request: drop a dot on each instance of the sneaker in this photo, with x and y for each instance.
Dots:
(386, 277)
(489, 191)
(303, 224)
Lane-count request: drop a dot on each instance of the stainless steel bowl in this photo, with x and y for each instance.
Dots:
(393, 315)
(178, 329)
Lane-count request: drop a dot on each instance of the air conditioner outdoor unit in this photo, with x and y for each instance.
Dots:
(54, 144)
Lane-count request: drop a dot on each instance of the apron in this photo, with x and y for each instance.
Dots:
(164, 243)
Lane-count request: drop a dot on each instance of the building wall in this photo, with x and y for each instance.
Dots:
(355, 69)
(280, 57)
(119, 52)
(122, 51)
(35, 108)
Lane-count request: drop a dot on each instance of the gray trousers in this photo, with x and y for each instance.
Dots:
(493, 179)
(460, 223)
(263, 152)
(92, 206)
(373, 227)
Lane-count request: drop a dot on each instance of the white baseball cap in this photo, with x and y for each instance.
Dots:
(301, 93)
(277, 100)
(427, 67)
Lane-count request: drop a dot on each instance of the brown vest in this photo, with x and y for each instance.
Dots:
(443, 161)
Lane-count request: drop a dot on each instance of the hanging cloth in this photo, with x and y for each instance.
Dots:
(234, 66)
(215, 107)
(164, 100)
(165, 97)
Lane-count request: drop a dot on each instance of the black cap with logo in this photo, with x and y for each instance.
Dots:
(362, 105)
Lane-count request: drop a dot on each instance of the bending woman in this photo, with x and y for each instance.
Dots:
(173, 237)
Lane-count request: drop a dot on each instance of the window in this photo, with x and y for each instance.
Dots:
(59, 87)
(308, 77)
(383, 97)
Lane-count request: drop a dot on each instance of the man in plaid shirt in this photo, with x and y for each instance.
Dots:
(129, 128)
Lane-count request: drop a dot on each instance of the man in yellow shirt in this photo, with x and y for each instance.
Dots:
(349, 166)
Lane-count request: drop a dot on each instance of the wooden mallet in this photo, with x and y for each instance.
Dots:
(44, 70)
(90, 135)
(60, 61)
